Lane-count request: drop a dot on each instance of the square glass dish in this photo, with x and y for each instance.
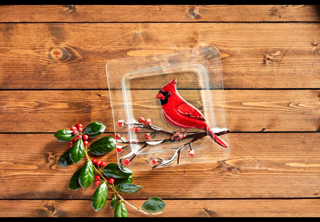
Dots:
(168, 109)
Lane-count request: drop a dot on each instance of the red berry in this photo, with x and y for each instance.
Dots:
(191, 153)
(103, 164)
(80, 129)
(120, 123)
(85, 143)
(85, 137)
(97, 177)
(79, 125)
(119, 149)
(73, 128)
(154, 161)
(71, 144)
(93, 161)
(98, 163)
(137, 129)
(117, 136)
(131, 128)
(79, 136)
(147, 121)
(110, 180)
(75, 132)
(126, 162)
(75, 139)
(147, 135)
(97, 183)
(141, 119)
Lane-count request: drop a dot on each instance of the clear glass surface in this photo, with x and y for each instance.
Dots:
(135, 82)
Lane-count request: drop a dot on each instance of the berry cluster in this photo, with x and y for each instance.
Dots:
(147, 122)
(77, 130)
(132, 128)
(136, 129)
(100, 165)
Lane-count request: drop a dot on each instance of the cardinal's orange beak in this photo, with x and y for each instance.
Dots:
(161, 96)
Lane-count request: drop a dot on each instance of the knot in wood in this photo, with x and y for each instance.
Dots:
(268, 59)
(199, 48)
(70, 8)
(207, 52)
(57, 53)
(51, 157)
(194, 13)
(50, 208)
(64, 54)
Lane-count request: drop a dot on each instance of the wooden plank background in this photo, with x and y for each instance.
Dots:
(52, 75)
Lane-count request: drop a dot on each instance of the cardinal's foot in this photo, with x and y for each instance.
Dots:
(177, 137)
(176, 134)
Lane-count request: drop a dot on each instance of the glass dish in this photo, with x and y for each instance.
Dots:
(134, 84)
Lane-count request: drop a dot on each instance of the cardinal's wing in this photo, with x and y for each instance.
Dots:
(189, 111)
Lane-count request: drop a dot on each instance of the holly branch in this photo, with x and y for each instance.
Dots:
(107, 177)
(134, 126)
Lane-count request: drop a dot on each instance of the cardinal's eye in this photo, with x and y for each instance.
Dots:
(168, 93)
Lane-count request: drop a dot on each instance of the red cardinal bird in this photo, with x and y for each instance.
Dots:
(180, 113)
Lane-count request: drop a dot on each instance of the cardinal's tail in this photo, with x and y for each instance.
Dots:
(216, 138)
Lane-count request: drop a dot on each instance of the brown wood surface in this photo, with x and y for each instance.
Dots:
(261, 165)
(74, 56)
(187, 208)
(53, 75)
(247, 110)
(158, 13)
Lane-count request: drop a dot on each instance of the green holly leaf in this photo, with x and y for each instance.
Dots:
(94, 129)
(114, 201)
(74, 183)
(64, 159)
(76, 153)
(121, 181)
(86, 175)
(99, 197)
(64, 135)
(113, 170)
(153, 204)
(128, 188)
(102, 145)
(121, 210)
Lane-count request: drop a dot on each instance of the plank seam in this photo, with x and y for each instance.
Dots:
(86, 22)
(85, 89)
(246, 132)
(128, 199)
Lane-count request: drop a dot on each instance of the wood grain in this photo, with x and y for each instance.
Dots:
(158, 13)
(74, 56)
(53, 75)
(246, 110)
(261, 165)
(187, 208)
